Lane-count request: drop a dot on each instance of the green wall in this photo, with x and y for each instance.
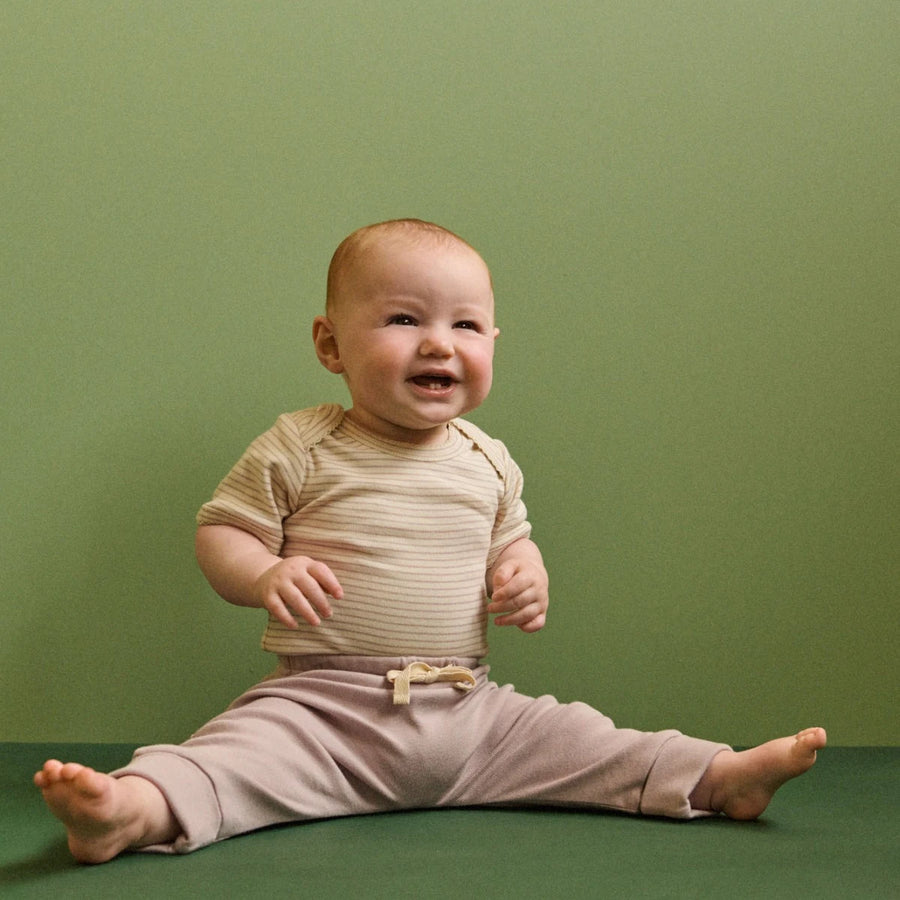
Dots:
(690, 210)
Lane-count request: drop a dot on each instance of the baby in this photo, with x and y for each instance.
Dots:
(378, 539)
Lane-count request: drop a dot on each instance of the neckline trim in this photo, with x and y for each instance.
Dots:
(448, 449)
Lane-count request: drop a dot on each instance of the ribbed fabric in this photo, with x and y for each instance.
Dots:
(408, 532)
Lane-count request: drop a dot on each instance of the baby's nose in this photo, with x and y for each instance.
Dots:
(436, 344)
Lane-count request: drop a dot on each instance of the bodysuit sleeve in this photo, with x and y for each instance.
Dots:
(262, 488)
(512, 517)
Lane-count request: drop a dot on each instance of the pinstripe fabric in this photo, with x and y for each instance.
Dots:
(409, 532)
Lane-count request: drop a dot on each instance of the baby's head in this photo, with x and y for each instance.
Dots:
(409, 324)
(358, 250)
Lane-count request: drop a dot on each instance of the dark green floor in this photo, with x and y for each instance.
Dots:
(833, 833)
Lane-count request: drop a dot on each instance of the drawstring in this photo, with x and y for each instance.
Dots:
(422, 673)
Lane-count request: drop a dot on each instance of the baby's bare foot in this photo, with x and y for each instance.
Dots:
(742, 784)
(103, 815)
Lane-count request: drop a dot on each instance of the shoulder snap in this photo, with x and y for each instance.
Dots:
(493, 450)
(314, 424)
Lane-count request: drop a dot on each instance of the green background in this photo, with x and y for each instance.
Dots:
(691, 214)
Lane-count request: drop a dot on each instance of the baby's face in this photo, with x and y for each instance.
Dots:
(414, 331)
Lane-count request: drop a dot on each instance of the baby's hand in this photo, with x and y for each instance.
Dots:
(298, 585)
(520, 594)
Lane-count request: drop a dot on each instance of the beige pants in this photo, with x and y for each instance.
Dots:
(323, 737)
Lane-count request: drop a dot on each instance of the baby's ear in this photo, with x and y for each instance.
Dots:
(326, 344)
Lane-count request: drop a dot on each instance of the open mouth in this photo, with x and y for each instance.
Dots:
(433, 382)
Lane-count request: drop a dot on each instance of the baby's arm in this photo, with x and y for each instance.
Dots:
(518, 585)
(242, 571)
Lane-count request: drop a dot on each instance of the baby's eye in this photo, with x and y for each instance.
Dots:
(468, 325)
(401, 319)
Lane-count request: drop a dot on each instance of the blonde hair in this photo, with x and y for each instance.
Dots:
(353, 248)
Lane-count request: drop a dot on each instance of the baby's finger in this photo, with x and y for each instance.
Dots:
(276, 608)
(314, 594)
(535, 624)
(519, 615)
(502, 576)
(300, 606)
(512, 596)
(306, 599)
(326, 579)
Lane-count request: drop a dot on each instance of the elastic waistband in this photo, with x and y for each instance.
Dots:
(372, 665)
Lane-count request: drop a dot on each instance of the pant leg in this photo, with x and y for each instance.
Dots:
(538, 751)
(328, 741)
(323, 739)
